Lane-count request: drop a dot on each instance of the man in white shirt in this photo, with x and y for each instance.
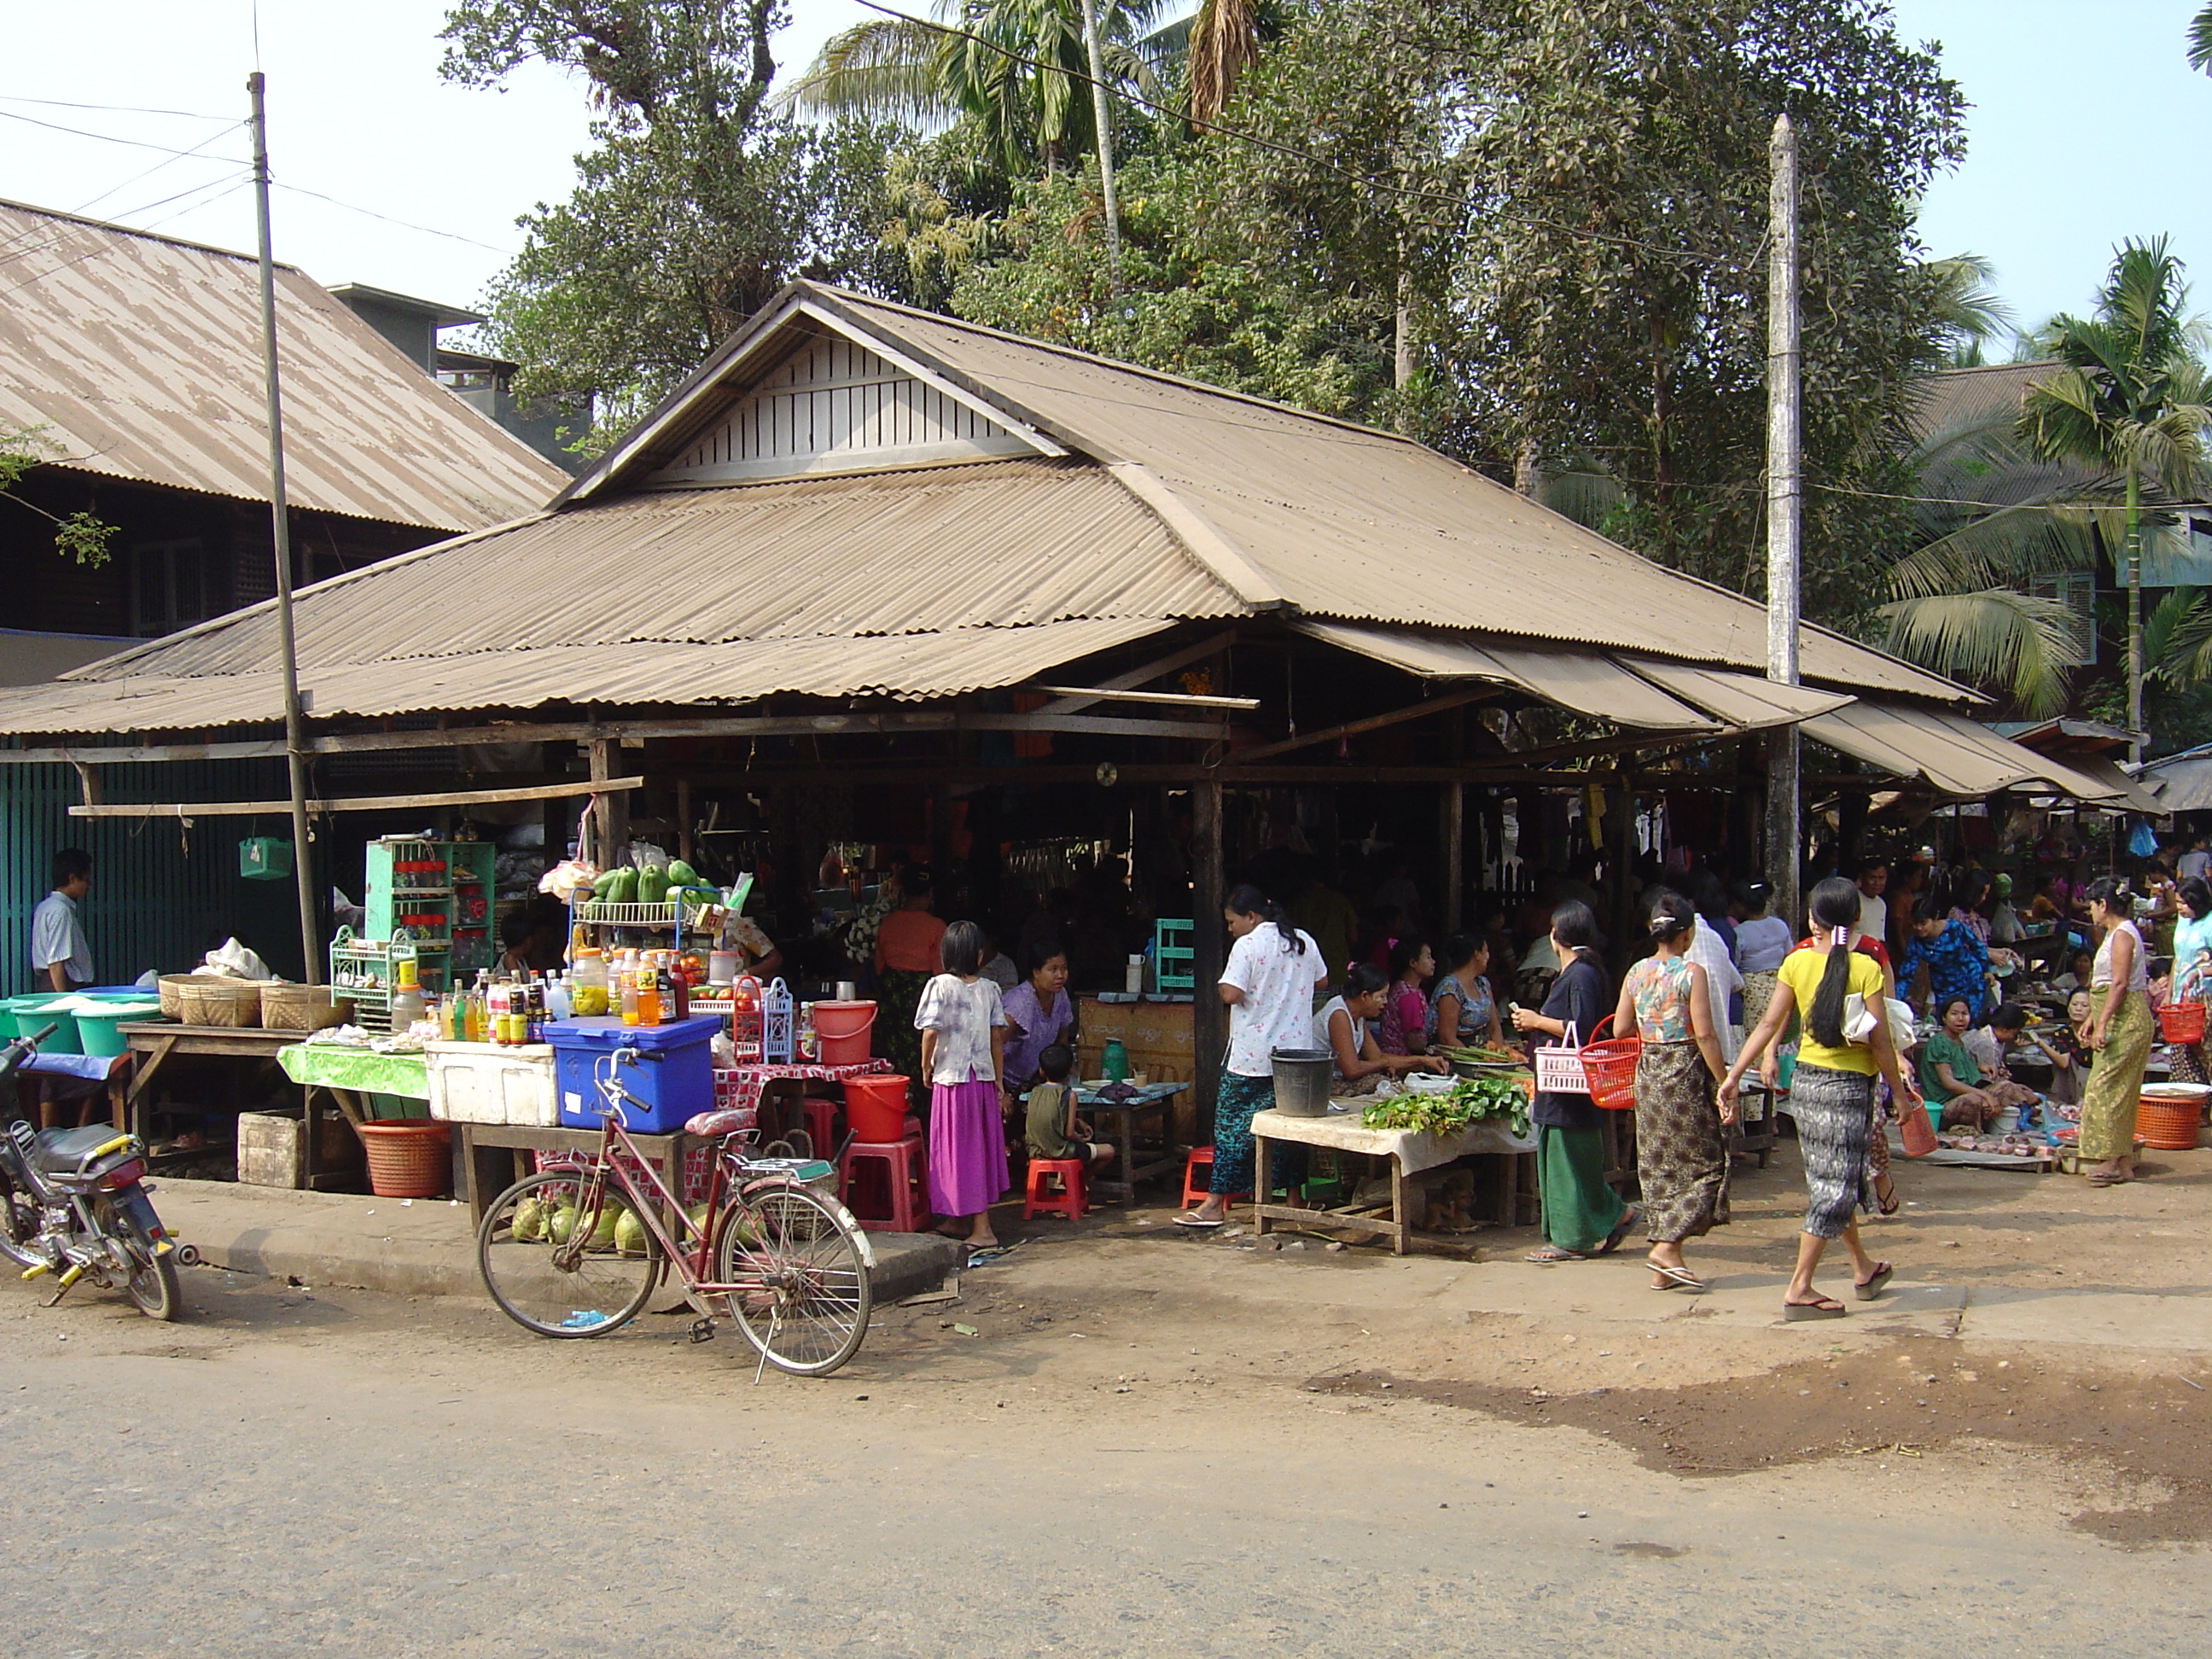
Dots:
(2197, 861)
(59, 952)
(1874, 910)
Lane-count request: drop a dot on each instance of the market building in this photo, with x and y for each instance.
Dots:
(876, 585)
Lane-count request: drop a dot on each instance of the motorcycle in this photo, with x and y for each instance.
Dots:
(72, 1203)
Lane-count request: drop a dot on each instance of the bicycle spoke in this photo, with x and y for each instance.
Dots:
(537, 1253)
(806, 1301)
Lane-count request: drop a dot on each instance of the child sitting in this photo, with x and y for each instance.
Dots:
(1052, 1130)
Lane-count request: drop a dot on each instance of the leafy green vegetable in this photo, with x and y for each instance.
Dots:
(1468, 1101)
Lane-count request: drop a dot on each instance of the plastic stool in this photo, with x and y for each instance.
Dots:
(1068, 1201)
(821, 1124)
(1196, 1187)
(896, 1166)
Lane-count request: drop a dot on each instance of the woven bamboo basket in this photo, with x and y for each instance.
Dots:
(303, 1007)
(171, 987)
(205, 1000)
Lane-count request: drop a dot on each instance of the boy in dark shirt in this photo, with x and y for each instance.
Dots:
(1052, 1128)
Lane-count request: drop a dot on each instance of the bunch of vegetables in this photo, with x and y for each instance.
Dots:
(655, 884)
(1481, 1055)
(1468, 1101)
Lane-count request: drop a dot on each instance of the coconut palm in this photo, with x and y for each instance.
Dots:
(2200, 41)
(1216, 45)
(1964, 308)
(2130, 401)
(981, 68)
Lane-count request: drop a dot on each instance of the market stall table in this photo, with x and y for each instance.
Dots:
(1118, 1131)
(110, 1070)
(1409, 1151)
(743, 1088)
(153, 1044)
(494, 1156)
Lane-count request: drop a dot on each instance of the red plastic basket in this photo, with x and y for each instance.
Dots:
(2182, 1022)
(407, 1157)
(2168, 1124)
(1609, 1068)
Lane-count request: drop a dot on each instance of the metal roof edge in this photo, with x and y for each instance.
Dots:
(114, 229)
(1220, 557)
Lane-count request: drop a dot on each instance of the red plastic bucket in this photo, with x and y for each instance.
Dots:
(407, 1157)
(875, 1108)
(843, 1029)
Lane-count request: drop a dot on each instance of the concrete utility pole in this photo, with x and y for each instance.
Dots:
(1785, 504)
(281, 527)
(1099, 114)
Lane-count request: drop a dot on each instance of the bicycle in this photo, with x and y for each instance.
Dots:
(791, 1268)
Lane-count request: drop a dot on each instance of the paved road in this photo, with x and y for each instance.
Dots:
(297, 1471)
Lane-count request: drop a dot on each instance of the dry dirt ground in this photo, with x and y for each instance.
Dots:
(1122, 1440)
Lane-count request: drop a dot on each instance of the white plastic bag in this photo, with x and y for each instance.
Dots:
(1858, 1023)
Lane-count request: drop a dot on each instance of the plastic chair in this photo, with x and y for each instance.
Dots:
(893, 1166)
(1069, 1200)
(1197, 1177)
(821, 1125)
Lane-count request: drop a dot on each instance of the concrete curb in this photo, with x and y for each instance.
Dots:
(423, 1250)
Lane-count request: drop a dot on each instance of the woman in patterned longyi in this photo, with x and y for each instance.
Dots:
(1681, 1135)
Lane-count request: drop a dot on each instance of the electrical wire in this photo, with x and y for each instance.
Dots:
(63, 234)
(8, 242)
(1372, 181)
(109, 109)
(428, 230)
(228, 185)
(105, 137)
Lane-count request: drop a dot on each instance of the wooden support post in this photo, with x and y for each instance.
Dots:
(1451, 828)
(1209, 1017)
(684, 850)
(1625, 931)
(612, 817)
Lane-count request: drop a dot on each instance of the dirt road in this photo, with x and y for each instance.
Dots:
(1148, 1445)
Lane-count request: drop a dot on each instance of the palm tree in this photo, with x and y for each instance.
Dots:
(1216, 44)
(2130, 401)
(2200, 41)
(980, 69)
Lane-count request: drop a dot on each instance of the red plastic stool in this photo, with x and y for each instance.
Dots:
(821, 1124)
(896, 1201)
(1069, 1200)
(1196, 1187)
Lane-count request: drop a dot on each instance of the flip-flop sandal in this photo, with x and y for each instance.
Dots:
(1826, 1308)
(1553, 1253)
(1866, 1290)
(1191, 1220)
(1613, 1239)
(1889, 1205)
(1682, 1278)
(2102, 1179)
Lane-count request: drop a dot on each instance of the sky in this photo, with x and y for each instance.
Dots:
(2087, 127)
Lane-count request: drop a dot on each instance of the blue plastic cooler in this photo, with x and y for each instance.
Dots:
(676, 1084)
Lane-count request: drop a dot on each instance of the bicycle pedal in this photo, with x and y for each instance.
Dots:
(702, 1330)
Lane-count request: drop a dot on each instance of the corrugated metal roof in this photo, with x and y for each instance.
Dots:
(909, 667)
(1358, 524)
(995, 545)
(141, 357)
(1955, 754)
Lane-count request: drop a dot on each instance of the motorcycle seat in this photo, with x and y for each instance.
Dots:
(60, 1151)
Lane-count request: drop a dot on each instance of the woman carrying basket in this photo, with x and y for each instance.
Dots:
(2119, 1031)
(1681, 1139)
(1583, 1216)
(1830, 1092)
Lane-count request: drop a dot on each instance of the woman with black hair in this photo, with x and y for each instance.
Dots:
(962, 1023)
(1583, 1216)
(1681, 1139)
(1830, 1092)
(2119, 1032)
(2192, 978)
(1268, 982)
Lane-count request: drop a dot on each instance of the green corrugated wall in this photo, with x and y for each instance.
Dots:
(163, 893)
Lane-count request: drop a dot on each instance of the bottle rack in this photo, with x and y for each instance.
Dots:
(437, 894)
(368, 971)
(1174, 957)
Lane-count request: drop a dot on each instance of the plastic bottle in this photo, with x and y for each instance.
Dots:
(648, 996)
(1113, 1061)
(406, 1001)
(560, 997)
(629, 1009)
(479, 1011)
(588, 984)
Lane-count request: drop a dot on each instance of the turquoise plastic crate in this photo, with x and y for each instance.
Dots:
(1174, 957)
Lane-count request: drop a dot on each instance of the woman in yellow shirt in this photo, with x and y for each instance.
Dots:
(1830, 1092)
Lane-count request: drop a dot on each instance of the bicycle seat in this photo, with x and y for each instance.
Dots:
(728, 1122)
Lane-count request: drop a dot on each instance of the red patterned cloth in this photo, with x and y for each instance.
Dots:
(738, 1089)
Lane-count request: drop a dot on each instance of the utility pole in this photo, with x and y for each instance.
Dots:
(1099, 111)
(281, 528)
(1785, 503)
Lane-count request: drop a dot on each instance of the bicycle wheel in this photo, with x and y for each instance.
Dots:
(806, 1268)
(545, 1254)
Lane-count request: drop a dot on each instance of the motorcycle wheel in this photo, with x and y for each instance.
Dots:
(153, 1288)
(19, 1226)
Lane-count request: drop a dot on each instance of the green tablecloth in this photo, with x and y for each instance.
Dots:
(330, 1066)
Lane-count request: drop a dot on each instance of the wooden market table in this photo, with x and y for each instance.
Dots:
(153, 1044)
(494, 1156)
(1119, 1130)
(112, 1074)
(1409, 1153)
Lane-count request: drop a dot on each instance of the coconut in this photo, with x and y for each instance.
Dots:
(629, 1233)
(529, 1224)
(603, 1231)
(561, 1222)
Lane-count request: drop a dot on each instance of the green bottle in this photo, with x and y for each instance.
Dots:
(1114, 1062)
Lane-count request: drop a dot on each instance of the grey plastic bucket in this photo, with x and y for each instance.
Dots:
(1302, 1079)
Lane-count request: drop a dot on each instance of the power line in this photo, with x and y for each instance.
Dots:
(428, 230)
(113, 109)
(105, 137)
(1372, 181)
(33, 230)
(228, 185)
(62, 233)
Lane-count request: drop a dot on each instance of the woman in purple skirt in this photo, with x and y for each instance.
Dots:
(963, 1044)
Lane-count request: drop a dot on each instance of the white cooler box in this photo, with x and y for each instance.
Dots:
(476, 1083)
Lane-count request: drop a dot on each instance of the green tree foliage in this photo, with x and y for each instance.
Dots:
(80, 535)
(695, 205)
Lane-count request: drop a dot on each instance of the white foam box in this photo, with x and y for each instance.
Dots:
(483, 1083)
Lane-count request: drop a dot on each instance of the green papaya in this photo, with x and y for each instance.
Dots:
(680, 874)
(651, 884)
(602, 889)
(624, 891)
